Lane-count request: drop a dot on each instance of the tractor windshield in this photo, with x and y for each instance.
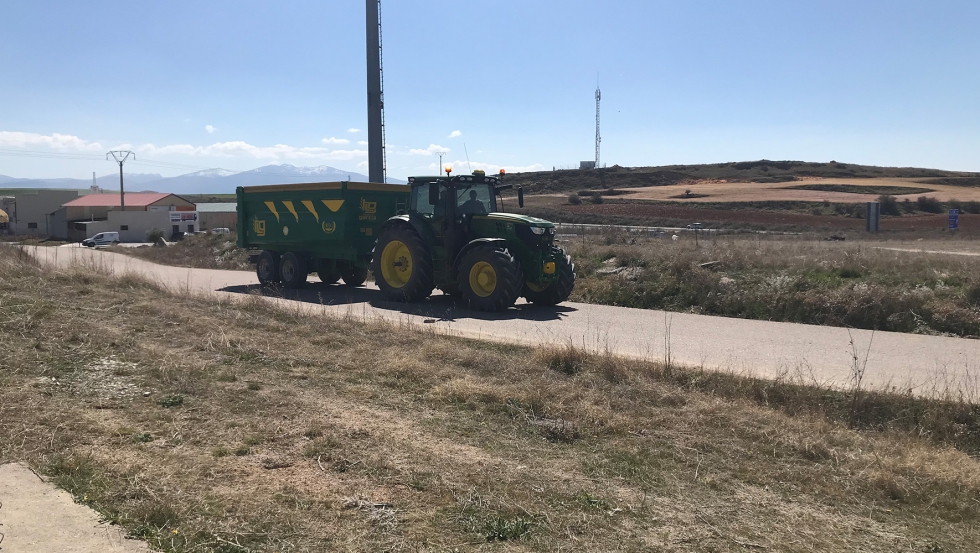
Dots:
(475, 199)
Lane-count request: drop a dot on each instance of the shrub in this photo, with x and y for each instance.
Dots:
(889, 205)
(909, 207)
(574, 199)
(597, 198)
(955, 204)
(155, 236)
(972, 206)
(929, 204)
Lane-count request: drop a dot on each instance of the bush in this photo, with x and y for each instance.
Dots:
(155, 236)
(908, 206)
(574, 199)
(597, 198)
(929, 204)
(889, 205)
(972, 206)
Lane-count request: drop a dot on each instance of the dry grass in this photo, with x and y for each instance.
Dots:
(204, 251)
(266, 430)
(859, 284)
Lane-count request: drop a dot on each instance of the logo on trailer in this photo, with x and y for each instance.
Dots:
(258, 225)
(328, 227)
(370, 209)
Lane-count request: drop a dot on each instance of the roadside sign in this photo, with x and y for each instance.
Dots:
(954, 219)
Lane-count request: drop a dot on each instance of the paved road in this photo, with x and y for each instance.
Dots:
(758, 348)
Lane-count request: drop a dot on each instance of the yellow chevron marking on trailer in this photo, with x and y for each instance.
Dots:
(289, 206)
(333, 205)
(272, 208)
(309, 205)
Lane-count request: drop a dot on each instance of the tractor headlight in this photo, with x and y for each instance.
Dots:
(538, 230)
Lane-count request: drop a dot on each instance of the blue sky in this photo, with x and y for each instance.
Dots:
(242, 84)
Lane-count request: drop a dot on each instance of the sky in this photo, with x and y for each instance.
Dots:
(505, 83)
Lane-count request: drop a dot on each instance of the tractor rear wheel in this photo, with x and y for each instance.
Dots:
(354, 275)
(555, 292)
(293, 270)
(402, 265)
(489, 278)
(267, 268)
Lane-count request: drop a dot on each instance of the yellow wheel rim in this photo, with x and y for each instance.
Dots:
(396, 264)
(535, 288)
(483, 279)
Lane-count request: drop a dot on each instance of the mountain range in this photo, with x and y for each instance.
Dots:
(208, 181)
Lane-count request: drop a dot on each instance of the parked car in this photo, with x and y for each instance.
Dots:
(102, 239)
(222, 230)
(695, 226)
(178, 236)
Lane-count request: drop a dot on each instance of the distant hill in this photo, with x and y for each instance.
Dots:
(222, 181)
(744, 171)
(208, 181)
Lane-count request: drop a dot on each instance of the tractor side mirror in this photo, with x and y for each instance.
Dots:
(433, 193)
(520, 196)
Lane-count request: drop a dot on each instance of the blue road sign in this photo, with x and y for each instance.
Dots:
(954, 219)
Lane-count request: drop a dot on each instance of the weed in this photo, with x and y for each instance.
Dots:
(142, 438)
(173, 400)
(503, 528)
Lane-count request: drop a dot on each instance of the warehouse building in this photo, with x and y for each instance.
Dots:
(30, 211)
(145, 211)
(218, 215)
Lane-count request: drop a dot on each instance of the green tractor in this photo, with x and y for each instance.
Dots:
(455, 237)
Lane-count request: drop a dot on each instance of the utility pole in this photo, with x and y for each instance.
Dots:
(375, 94)
(121, 156)
(598, 138)
(439, 169)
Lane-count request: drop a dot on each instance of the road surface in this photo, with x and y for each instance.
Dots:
(927, 365)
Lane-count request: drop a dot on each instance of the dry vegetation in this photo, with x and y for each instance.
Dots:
(784, 279)
(204, 251)
(268, 430)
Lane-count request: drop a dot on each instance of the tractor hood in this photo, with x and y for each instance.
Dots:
(518, 219)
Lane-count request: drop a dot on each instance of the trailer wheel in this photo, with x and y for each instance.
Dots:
(353, 275)
(293, 270)
(327, 271)
(556, 292)
(267, 267)
(401, 265)
(489, 278)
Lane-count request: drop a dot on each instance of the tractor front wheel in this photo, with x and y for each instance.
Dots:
(555, 292)
(489, 278)
(401, 265)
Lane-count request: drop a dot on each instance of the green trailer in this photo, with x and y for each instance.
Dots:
(447, 232)
(328, 228)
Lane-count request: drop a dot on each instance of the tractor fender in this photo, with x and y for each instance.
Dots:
(416, 223)
(500, 242)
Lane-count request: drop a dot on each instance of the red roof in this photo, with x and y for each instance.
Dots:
(135, 199)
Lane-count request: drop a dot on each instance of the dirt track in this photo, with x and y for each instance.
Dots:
(760, 348)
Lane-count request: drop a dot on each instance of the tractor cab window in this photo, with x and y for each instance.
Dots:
(475, 199)
(420, 200)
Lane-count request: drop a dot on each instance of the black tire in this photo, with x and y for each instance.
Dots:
(293, 270)
(409, 273)
(267, 267)
(451, 289)
(327, 271)
(353, 275)
(503, 287)
(557, 291)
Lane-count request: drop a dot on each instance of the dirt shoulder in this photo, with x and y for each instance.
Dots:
(206, 425)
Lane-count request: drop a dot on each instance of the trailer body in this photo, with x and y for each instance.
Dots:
(330, 220)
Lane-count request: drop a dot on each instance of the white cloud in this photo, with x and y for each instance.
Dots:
(363, 164)
(333, 140)
(353, 130)
(454, 134)
(362, 142)
(244, 149)
(54, 140)
(210, 129)
(431, 150)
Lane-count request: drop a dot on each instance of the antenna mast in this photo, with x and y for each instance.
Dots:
(598, 138)
(375, 95)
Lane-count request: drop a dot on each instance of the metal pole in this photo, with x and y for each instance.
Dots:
(122, 193)
(374, 98)
(121, 156)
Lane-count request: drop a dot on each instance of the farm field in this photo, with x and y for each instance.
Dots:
(200, 424)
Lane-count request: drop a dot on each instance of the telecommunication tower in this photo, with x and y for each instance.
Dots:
(375, 95)
(598, 137)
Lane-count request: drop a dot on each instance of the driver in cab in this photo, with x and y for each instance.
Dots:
(472, 206)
